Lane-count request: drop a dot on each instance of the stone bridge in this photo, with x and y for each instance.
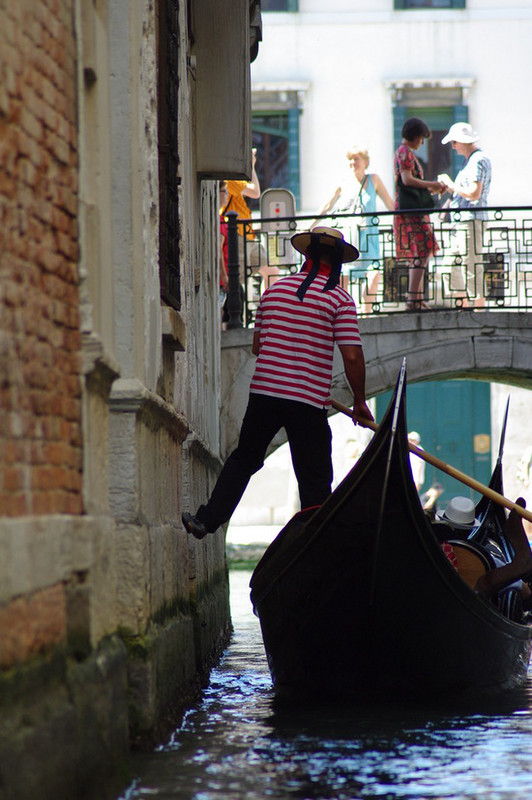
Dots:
(485, 345)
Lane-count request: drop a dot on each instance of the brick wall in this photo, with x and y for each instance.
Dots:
(40, 390)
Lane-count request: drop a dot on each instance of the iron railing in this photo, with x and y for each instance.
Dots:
(482, 264)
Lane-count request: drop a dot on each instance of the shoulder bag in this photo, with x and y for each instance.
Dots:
(410, 197)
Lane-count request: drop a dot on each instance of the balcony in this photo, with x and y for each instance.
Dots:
(485, 264)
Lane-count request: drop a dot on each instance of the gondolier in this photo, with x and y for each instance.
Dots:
(299, 320)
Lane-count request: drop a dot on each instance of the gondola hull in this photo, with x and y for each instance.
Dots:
(358, 596)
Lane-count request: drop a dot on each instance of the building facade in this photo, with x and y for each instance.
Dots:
(116, 120)
(349, 73)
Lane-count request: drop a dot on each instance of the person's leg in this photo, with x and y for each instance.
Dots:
(261, 423)
(475, 263)
(458, 254)
(309, 437)
(416, 274)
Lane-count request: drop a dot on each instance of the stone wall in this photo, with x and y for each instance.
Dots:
(110, 615)
(40, 424)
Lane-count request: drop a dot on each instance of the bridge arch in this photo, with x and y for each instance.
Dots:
(484, 345)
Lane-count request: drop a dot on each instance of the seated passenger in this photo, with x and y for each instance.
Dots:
(459, 515)
(459, 519)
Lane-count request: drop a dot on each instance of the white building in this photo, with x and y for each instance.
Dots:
(330, 75)
(354, 69)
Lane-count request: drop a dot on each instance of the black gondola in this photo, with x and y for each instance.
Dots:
(491, 515)
(357, 596)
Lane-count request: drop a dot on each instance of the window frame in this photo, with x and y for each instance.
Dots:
(288, 99)
(291, 7)
(402, 5)
(167, 109)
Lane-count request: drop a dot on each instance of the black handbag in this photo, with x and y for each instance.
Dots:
(410, 197)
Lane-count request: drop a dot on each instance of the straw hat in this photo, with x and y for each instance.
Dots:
(461, 132)
(328, 238)
(459, 514)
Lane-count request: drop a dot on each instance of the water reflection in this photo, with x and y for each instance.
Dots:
(239, 743)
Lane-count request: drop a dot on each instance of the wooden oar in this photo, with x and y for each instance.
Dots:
(441, 465)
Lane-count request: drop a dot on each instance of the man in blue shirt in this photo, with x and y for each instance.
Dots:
(470, 191)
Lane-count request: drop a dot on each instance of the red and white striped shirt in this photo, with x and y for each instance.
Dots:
(297, 338)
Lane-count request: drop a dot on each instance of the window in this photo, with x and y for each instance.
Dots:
(401, 4)
(275, 132)
(278, 5)
(276, 137)
(434, 156)
(168, 159)
(440, 102)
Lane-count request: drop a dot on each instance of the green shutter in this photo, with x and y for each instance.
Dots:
(402, 4)
(400, 115)
(293, 154)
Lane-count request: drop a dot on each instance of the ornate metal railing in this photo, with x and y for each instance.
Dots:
(481, 264)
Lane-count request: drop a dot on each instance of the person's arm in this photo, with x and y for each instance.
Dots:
(382, 192)
(355, 372)
(326, 208)
(255, 347)
(224, 278)
(252, 188)
(436, 187)
(472, 195)
(330, 203)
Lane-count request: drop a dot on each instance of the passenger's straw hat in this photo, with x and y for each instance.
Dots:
(328, 238)
(460, 514)
(461, 132)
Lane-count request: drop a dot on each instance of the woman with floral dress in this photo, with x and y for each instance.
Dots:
(414, 234)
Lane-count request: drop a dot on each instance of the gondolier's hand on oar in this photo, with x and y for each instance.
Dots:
(355, 372)
(364, 419)
(362, 415)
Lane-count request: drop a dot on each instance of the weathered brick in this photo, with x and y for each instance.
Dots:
(30, 625)
(12, 479)
(40, 364)
(13, 504)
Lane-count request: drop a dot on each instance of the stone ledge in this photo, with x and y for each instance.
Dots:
(239, 337)
(129, 395)
(174, 329)
(37, 552)
(97, 360)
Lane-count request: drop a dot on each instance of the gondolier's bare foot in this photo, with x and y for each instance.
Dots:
(194, 526)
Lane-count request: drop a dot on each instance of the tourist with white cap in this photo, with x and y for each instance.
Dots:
(470, 190)
(299, 320)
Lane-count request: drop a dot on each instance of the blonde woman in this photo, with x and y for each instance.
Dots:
(363, 199)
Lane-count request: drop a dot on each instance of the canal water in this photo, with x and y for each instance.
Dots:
(236, 742)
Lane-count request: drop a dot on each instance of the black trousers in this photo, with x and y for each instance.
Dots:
(309, 437)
